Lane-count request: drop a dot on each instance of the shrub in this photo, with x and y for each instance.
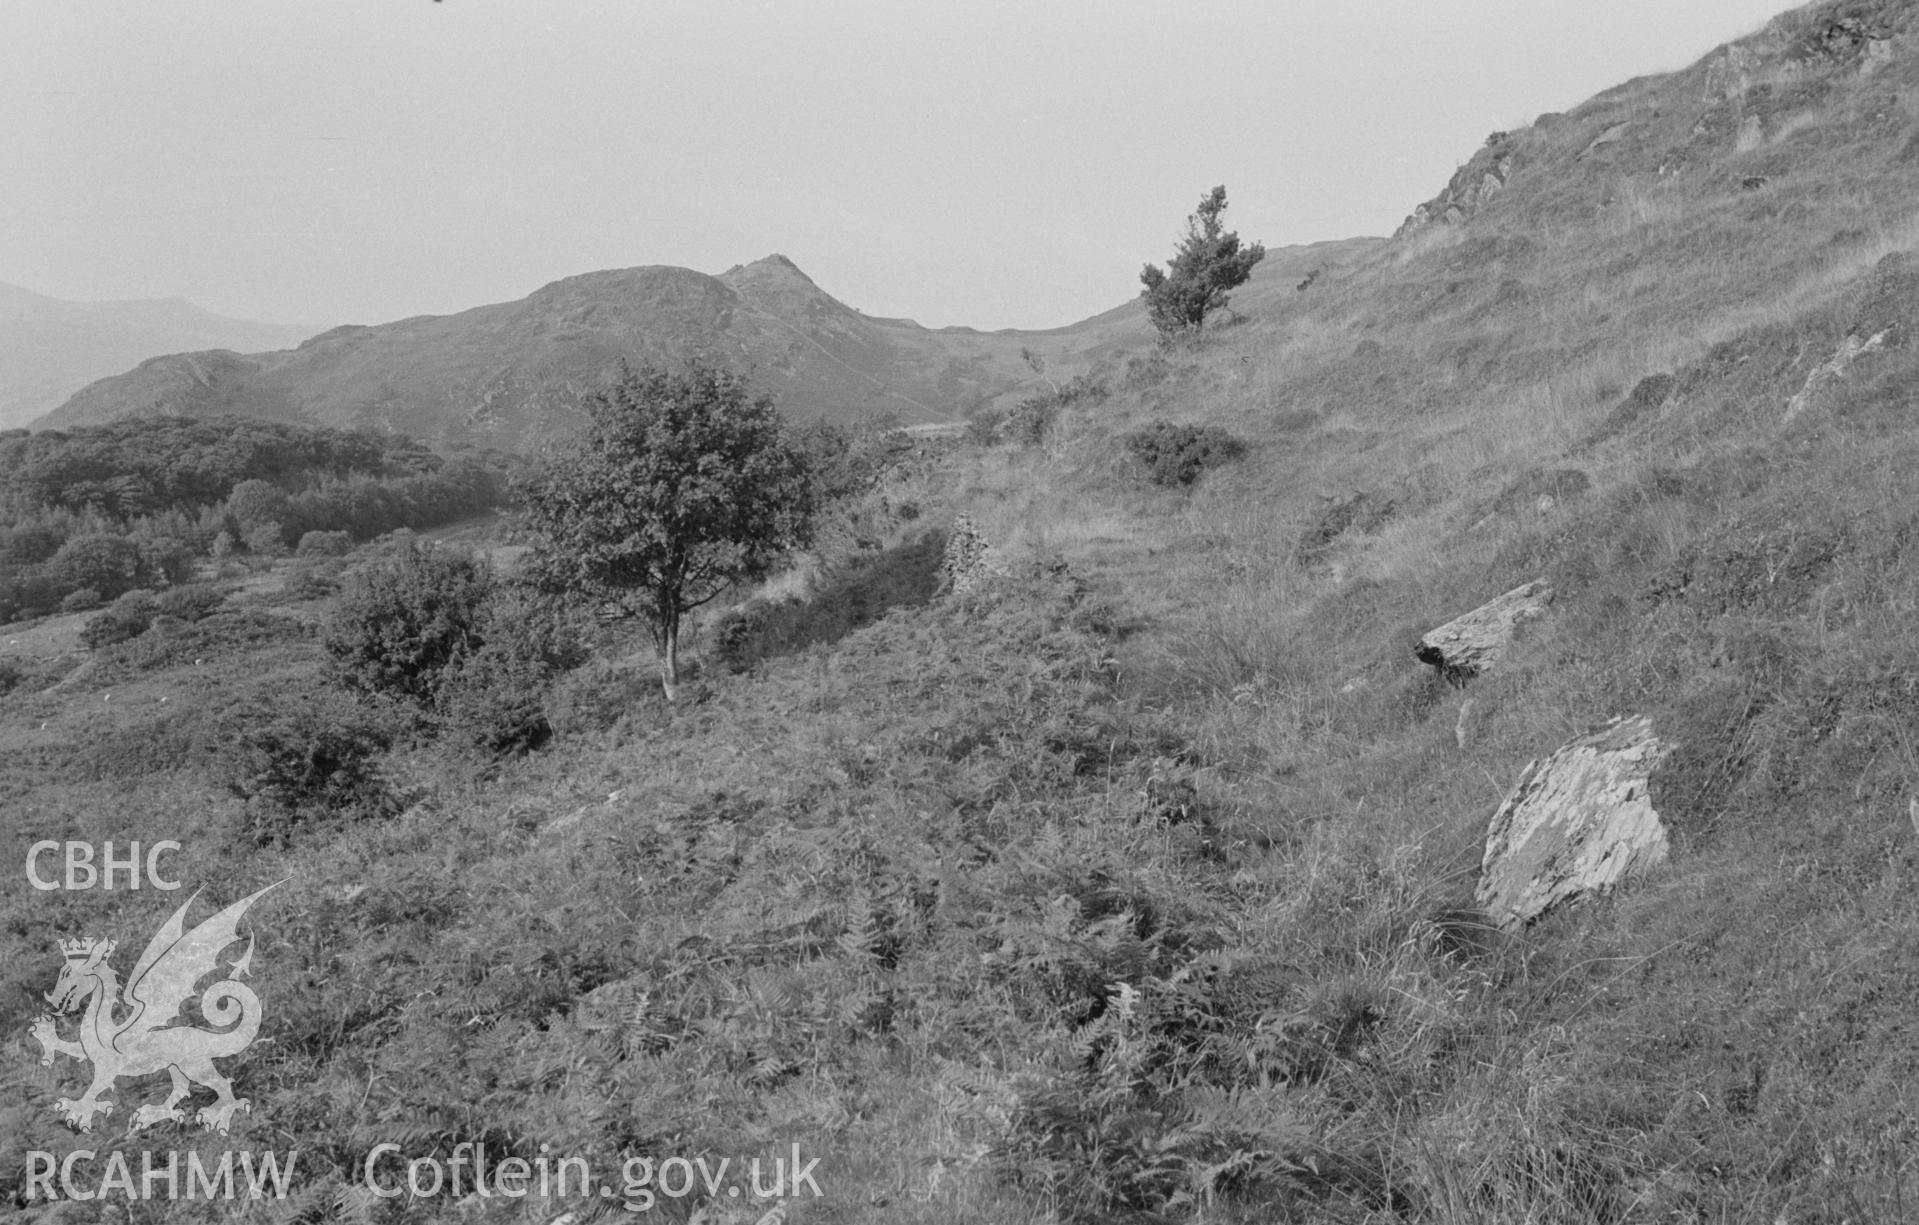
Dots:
(1177, 454)
(81, 600)
(192, 602)
(1033, 418)
(293, 760)
(403, 623)
(433, 627)
(496, 702)
(11, 675)
(324, 544)
(496, 699)
(735, 634)
(128, 618)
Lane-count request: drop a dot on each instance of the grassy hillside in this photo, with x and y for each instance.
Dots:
(1134, 881)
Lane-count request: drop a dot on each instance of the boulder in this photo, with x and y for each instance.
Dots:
(1473, 643)
(1577, 822)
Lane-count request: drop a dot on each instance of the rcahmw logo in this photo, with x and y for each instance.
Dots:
(51, 1177)
(150, 1034)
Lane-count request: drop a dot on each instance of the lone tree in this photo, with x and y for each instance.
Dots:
(683, 484)
(1208, 264)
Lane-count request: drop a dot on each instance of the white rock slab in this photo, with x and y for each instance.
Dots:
(1577, 822)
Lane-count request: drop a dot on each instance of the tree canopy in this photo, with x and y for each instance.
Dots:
(1209, 264)
(683, 484)
(144, 464)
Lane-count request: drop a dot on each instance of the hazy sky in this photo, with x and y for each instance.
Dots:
(993, 164)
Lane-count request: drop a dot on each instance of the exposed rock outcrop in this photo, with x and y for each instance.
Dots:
(1831, 371)
(1577, 822)
(1478, 181)
(1471, 644)
(1846, 40)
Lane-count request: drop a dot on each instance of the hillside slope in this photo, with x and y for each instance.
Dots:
(50, 348)
(1135, 881)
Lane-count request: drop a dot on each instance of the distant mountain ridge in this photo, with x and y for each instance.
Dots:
(512, 374)
(51, 347)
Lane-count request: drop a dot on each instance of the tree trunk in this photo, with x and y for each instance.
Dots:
(670, 656)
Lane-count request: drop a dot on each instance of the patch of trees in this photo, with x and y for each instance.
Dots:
(93, 513)
(135, 467)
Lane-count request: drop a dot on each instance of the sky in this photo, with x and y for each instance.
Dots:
(976, 162)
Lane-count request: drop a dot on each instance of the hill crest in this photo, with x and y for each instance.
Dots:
(510, 374)
(51, 347)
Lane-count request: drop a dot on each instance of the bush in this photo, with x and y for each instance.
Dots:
(192, 602)
(324, 544)
(298, 759)
(434, 628)
(1177, 454)
(405, 622)
(496, 702)
(1033, 418)
(496, 699)
(80, 601)
(128, 618)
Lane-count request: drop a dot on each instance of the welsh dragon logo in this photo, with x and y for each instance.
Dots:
(144, 1032)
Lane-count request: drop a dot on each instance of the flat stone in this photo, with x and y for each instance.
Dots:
(1473, 643)
(1577, 822)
